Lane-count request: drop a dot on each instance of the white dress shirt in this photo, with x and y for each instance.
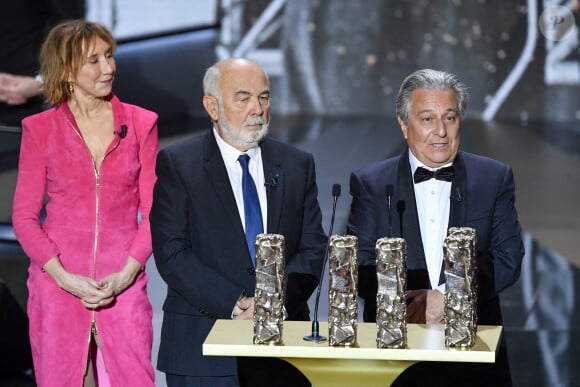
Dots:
(230, 156)
(432, 200)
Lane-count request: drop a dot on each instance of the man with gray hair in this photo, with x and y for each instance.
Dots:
(437, 186)
(204, 221)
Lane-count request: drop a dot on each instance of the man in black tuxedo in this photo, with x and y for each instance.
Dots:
(198, 227)
(475, 192)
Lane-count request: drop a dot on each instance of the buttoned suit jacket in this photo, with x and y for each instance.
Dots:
(200, 248)
(482, 197)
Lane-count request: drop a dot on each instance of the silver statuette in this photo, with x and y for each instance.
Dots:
(269, 293)
(343, 278)
(459, 252)
(391, 255)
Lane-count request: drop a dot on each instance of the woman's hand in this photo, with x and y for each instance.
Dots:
(116, 283)
(89, 291)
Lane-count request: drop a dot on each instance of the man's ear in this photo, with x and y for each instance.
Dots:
(210, 104)
(403, 127)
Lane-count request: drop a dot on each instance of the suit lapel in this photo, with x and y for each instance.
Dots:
(456, 202)
(216, 174)
(274, 177)
(457, 208)
(411, 230)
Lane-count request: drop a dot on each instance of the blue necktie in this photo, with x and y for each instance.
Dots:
(252, 211)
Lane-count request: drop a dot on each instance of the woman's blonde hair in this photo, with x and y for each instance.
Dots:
(65, 51)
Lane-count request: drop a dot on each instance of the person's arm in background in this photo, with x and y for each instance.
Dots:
(17, 89)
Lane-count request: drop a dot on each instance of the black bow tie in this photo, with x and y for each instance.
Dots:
(421, 174)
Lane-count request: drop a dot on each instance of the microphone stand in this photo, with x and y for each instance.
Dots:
(400, 210)
(389, 193)
(315, 336)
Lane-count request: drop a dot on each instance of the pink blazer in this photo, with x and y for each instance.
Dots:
(93, 222)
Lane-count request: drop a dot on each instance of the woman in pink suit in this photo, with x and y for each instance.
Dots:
(93, 158)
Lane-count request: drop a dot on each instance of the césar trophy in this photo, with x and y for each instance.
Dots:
(391, 254)
(342, 294)
(459, 252)
(269, 293)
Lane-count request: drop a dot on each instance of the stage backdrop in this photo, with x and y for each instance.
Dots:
(343, 57)
(347, 57)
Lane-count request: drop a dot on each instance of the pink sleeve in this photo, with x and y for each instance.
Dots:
(141, 248)
(29, 199)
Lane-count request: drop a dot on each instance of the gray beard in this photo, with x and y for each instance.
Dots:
(239, 138)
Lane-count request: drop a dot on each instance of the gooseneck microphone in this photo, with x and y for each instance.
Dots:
(315, 336)
(389, 193)
(400, 210)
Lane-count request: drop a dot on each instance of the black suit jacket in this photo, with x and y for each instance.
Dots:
(482, 197)
(200, 249)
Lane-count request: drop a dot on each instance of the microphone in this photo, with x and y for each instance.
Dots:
(315, 336)
(457, 195)
(389, 193)
(400, 210)
(273, 182)
(123, 132)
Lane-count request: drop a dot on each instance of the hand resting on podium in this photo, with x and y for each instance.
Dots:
(427, 306)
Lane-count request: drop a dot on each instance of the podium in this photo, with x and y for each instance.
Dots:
(364, 364)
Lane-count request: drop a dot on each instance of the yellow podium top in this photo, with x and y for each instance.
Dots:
(424, 343)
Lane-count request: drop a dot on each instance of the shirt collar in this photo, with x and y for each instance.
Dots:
(415, 163)
(231, 154)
